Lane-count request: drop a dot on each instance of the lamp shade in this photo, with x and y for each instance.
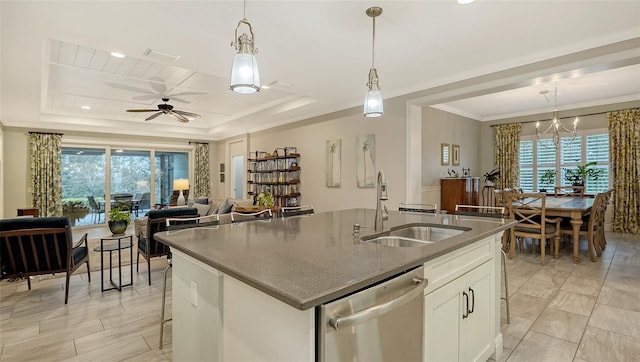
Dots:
(245, 77)
(181, 184)
(373, 105)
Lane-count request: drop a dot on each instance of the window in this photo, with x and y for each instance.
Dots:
(539, 155)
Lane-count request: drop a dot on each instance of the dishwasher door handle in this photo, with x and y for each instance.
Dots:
(380, 309)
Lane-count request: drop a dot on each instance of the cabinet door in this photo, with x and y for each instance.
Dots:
(442, 315)
(476, 341)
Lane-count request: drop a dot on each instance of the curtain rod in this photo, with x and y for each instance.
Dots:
(58, 134)
(561, 118)
(198, 143)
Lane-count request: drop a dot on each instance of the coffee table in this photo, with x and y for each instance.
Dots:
(115, 243)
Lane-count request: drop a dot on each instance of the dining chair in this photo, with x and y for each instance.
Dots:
(421, 208)
(296, 210)
(495, 212)
(569, 191)
(238, 217)
(174, 224)
(529, 210)
(601, 237)
(594, 227)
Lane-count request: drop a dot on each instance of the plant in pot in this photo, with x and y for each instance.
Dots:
(119, 219)
(578, 176)
(548, 179)
(491, 177)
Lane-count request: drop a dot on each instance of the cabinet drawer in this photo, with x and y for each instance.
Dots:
(446, 268)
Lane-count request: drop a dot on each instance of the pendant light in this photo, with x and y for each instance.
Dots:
(373, 106)
(245, 77)
(556, 126)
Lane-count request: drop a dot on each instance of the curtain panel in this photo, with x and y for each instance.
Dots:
(507, 154)
(46, 178)
(201, 182)
(624, 150)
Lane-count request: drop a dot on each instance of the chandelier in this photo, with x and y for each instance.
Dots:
(556, 127)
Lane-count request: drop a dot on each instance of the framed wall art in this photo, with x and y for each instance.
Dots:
(334, 163)
(365, 161)
(455, 155)
(444, 154)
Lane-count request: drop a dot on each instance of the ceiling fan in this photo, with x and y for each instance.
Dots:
(166, 109)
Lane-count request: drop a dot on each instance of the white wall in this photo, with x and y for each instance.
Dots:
(310, 138)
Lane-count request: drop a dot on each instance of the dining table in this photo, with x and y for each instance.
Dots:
(572, 207)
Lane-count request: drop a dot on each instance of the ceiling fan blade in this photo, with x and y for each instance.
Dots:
(180, 117)
(128, 88)
(186, 113)
(188, 94)
(147, 97)
(180, 100)
(155, 115)
(142, 110)
(158, 84)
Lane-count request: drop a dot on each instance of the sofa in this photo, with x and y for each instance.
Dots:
(206, 206)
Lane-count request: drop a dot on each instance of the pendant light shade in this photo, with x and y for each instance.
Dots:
(245, 77)
(373, 104)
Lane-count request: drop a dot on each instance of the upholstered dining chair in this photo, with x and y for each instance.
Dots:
(495, 212)
(173, 224)
(529, 210)
(41, 245)
(148, 246)
(569, 191)
(593, 229)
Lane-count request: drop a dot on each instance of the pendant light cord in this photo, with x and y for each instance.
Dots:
(244, 10)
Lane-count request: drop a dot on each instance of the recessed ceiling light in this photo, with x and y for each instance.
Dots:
(266, 87)
(117, 54)
(85, 107)
(464, 2)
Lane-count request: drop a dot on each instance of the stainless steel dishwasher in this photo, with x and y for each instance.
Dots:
(380, 323)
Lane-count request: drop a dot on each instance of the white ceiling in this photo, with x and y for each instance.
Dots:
(487, 60)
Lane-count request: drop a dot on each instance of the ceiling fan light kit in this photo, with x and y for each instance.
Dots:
(373, 104)
(167, 109)
(245, 77)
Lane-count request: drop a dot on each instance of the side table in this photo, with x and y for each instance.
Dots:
(487, 195)
(115, 244)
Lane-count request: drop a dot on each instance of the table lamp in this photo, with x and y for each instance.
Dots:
(181, 184)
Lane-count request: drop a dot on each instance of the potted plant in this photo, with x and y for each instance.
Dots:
(119, 219)
(75, 209)
(265, 200)
(579, 175)
(548, 179)
(491, 177)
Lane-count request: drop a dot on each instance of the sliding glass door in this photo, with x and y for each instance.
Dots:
(83, 184)
(131, 180)
(170, 166)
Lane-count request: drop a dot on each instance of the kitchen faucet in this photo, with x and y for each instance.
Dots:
(381, 195)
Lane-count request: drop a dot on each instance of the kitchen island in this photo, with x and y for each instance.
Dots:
(249, 291)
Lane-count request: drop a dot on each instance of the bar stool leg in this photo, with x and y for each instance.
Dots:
(506, 285)
(164, 299)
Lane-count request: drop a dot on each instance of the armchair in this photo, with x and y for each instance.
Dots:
(148, 246)
(41, 245)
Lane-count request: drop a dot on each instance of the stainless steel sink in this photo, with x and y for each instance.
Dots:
(425, 233)
(414, 235)
(397, 241)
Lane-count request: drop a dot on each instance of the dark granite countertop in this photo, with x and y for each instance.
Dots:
(308, 260)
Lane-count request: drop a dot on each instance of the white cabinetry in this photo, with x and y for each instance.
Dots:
(460, 309)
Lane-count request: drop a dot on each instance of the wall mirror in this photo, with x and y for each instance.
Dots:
(444, 154)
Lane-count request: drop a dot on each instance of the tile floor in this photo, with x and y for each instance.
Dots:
(559, 312)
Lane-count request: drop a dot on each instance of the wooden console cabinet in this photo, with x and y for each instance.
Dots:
(458, 191)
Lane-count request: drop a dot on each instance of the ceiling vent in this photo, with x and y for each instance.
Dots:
(160, 57)
(279, 84)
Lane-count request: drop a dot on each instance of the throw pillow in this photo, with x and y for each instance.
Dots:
(226, 207)
(202, 200)
(202, 209)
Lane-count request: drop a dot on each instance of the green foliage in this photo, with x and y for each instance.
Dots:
(492, 176)
(548, 177)
(582, 173)
(120, 213)
(265, 199)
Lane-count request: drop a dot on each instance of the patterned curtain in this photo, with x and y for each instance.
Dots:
(46, 178)
(624, 150)
(507, 154)
(201, 184)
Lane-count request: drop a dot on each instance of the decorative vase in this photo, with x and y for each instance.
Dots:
(118, 227)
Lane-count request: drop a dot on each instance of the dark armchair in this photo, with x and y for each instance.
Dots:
(148, 246)
(41, 245)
